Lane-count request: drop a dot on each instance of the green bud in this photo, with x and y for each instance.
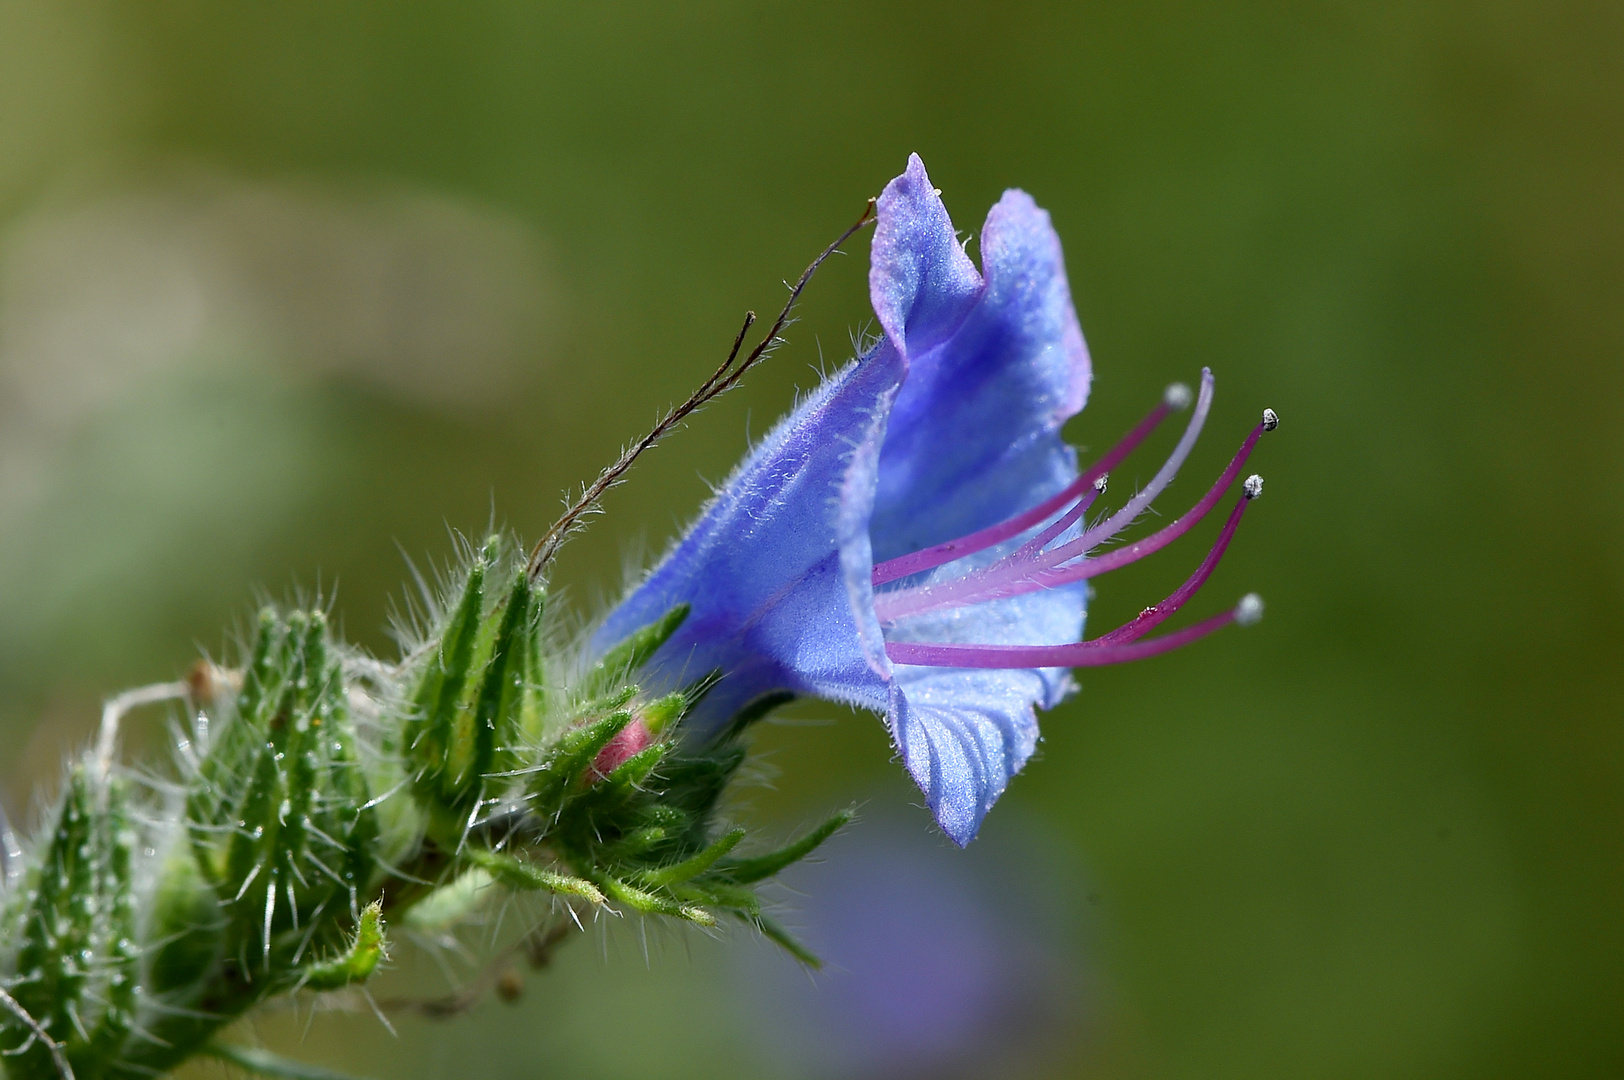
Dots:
(661, 713)
(232, 748)
(632, 772)
(117, 932)
(502, 689)
(566, 765)
(435, 745)
(475, 695)
(278, 815)
(76, 966)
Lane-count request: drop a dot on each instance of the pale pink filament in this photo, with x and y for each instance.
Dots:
(1000, 656)
(1030, 567)
(1012, 576)
(932, 557)
(1077, 654)
(1164, 476)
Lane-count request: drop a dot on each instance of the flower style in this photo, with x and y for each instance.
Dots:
(912, 538)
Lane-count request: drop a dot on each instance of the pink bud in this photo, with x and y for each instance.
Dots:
(630, 740)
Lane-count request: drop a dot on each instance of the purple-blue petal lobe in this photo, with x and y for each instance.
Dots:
(974, 436)
(950, 424)
(964, 733)
(920, 281)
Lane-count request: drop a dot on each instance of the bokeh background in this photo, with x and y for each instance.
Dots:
(289, 289)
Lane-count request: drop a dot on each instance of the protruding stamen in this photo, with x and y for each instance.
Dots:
(1153, 616)
(1271, 419)
(1164, 476)
(1078, 654)
(1176, 396)
(1249, 612)
(1011, 577)
(1035, 545)
(1253, 485)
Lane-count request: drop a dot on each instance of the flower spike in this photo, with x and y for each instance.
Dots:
(914, 539)
(908, 535)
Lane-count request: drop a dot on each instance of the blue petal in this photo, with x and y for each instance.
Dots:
(854, 509)
(963, 734)
(761, 568)
(951, 424)
(961, 742)
(974, 436)
(995, 368)
(920, 281)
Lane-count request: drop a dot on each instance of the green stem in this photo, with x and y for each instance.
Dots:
(265, 1063)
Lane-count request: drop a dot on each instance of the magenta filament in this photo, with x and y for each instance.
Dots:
(1042, 563)
(1176, 397)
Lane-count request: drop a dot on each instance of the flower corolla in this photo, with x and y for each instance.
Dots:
(911, 539)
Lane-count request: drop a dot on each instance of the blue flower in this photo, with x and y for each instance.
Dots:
(911, 538)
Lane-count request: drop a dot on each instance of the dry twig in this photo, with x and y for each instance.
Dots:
(721, 381)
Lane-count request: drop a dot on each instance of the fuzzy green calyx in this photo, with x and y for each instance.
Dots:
(278, 819)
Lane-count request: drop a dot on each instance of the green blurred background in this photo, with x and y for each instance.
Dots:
(288, 288)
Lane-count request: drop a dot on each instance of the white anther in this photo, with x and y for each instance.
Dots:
(1271, 419)
(1178, 396)
(1249, 612)
(1252, 486)
(1099, 485)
